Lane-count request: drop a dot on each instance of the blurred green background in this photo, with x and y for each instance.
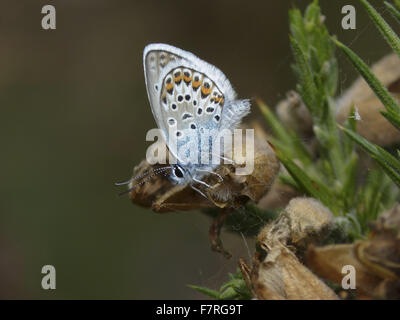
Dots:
(74, 115)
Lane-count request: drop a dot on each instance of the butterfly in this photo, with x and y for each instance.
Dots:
(189, 96)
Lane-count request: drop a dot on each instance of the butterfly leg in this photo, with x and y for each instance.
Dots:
(201, 182)
(197, 190)
(224, 158)
(211, 172)
(215, 231)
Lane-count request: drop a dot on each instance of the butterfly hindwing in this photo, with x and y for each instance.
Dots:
(190, 100)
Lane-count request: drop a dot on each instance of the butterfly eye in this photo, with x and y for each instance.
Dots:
(178, 172)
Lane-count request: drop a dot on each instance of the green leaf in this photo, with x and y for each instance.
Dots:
(297, 28)
(395, 13)
(285, 137)
(308, 90)
(228, 294)
(389, 164)
(393, 118)
(278, 129)
(350, 123)
(393, 174)
(380, 90)
(388, 33)
(206, 291)
(310, 186)
(350, 181)
(234, 289)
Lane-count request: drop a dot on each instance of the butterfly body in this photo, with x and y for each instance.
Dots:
(192, 101)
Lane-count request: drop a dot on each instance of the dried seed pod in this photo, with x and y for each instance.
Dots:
(282, 276)
(294, 114)
(376, 260)
(328, 262)
(233, 191)
(372, 125)
(279, 194)
(310, 221)
(276, 272)
(304, 221)
(278, 197)
(389, 219)
(162, 196)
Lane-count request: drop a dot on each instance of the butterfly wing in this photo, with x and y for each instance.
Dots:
(155, 59)
(187, 93)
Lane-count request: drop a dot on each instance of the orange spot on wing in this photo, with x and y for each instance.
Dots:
(196, 84)
(178, 78)
(205, 91)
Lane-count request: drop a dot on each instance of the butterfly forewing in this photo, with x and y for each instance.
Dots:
(154, 63)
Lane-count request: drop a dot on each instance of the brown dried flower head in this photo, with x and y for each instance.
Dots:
(234, 190)
(376, 260)
(277, 272)
(294, 114)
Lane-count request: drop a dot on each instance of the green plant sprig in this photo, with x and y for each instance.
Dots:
(333, 176)
(389, 163)
(234, 289)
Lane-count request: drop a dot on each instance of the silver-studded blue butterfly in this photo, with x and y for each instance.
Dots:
(189, 96)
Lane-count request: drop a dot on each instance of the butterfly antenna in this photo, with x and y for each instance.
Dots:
(140, 176)
(155, 173)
